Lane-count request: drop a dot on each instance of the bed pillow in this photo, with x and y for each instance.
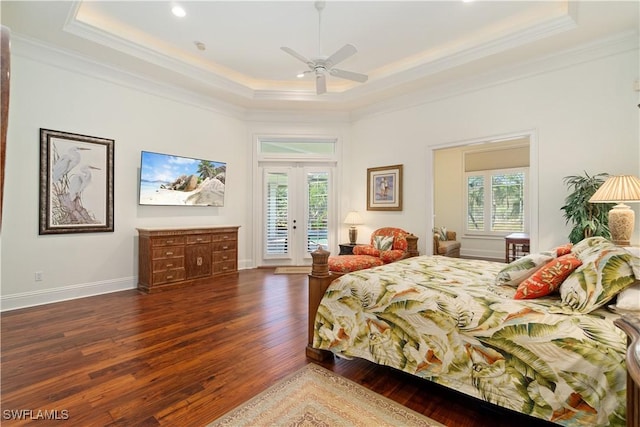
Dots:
(548, 279)
(391, 255)
(366, 250)
(591, 245)
(383, 243)
(520, 269)
(564, 249)
(602, 275)
(629, 299)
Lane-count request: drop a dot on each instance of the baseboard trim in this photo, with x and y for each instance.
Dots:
(48, 296)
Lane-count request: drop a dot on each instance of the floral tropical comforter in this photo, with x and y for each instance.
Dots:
(446, 320)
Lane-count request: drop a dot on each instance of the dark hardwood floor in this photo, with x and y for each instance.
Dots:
(185, 357)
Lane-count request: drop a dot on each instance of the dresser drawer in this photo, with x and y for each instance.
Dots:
(222, 237)
(168, 252)
(224, 267)
(168, 241)
(168, 276)
(198, 238)
(230, 245)
(167, 264)
(224, 256)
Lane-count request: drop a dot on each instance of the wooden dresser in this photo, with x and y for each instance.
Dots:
(172, 257)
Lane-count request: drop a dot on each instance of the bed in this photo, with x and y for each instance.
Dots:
(557, 357)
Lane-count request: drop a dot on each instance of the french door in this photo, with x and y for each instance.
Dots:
(296, 212)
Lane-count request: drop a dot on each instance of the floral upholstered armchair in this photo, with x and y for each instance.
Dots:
(387, 245)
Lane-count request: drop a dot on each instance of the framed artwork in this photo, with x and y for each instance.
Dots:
(384, 188)
(76, 183)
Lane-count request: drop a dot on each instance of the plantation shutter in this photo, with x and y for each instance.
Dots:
(475, 202)
(277, 215)
(507, 196)
(317, 217)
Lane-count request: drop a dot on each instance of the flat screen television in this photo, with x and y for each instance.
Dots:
(171, 180)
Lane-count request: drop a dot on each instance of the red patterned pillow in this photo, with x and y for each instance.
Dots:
(549, 278)
(391, 256)
(564, 249)
(366, 250)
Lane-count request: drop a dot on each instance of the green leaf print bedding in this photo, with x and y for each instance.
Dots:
(446, 320)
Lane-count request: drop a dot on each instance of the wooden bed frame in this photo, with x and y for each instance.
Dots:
(320, 279)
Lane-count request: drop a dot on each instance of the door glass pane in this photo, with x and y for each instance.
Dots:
(277, 220)
(317, 220)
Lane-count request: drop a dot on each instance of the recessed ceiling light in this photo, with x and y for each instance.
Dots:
(200, 45)
(178, 11)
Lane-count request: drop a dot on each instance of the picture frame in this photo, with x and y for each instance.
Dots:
(76, 183)
(384, 188)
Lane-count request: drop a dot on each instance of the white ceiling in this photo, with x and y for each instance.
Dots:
(402, 45)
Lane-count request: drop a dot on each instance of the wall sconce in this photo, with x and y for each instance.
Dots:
(619, 189)
(353, 218)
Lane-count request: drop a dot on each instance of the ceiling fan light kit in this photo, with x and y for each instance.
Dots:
(322, 66)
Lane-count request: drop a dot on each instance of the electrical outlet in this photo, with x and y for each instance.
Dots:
(38, 276)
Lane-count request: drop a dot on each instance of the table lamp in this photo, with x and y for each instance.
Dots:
(353, 218)
(619, 189)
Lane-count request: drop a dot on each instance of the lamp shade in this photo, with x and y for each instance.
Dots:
(353, 218)
(620, 188)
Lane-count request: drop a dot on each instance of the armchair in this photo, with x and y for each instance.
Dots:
(449, 247)
(387, 244)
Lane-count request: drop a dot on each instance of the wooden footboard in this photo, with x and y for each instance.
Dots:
(319, 281)
(630, 324)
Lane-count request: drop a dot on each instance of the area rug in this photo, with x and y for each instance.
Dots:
(293, 270)
(315, 396)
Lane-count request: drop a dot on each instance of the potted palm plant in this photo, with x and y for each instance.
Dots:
(588, 219)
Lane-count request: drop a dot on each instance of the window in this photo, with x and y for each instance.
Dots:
(496, 201)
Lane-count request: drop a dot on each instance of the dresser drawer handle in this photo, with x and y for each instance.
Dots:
(225, 247)
(225, 257)
(169, 242)
(169, 277)
(225, 237)
(199, 239)
(225, 268)
(169, 253)
(169, 265)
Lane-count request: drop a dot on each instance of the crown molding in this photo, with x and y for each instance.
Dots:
(617, 44)
(38, 51)
(331, 107)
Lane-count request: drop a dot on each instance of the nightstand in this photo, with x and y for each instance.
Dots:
(516, 246)
(346, 248)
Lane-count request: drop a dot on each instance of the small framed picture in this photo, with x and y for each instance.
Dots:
(384, 188)
(76, 183)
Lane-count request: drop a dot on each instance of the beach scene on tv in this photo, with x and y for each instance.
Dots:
(174, 180)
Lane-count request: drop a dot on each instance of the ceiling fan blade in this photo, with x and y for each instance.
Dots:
(349, 75)
(321, 83)
(297, 56)
(343, 53)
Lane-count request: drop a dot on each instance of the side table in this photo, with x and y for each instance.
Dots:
(346, 248)
(516, 246)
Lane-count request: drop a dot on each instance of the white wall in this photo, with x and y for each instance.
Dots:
(45, 96)
(585, 117)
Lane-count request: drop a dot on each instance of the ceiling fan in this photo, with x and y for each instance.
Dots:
(322, 66)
